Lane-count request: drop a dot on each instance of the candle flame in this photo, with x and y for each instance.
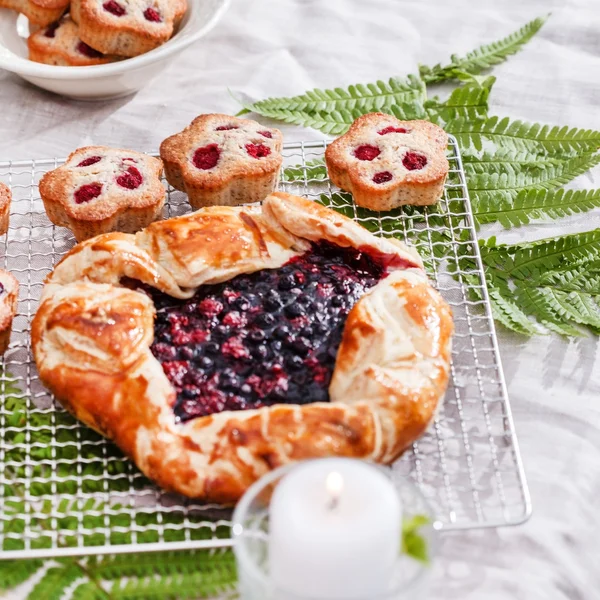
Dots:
(334, 485)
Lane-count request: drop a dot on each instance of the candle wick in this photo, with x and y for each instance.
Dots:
(334, 500)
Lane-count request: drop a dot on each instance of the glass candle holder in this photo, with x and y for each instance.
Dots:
(251, 543)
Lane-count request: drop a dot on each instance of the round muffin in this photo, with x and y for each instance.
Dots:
(9, 294)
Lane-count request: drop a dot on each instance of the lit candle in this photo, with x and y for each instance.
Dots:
(334, 531)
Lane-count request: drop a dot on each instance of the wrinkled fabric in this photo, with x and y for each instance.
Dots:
(283, 47)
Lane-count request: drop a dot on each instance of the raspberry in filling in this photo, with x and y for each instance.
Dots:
(87, 192)
(226, 127)
(367, 152)
(88, 51)
(152, 15)
(263, 338)
(258, 150)
(131, 179)
(114, 8)
(207, 157)
(1, 288)
(382, 177)
(392, 129)
(414, 161)
(266, 134)
(92, 160)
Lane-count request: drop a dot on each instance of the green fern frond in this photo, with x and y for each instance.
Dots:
(88, 591)
(536, 204)
(469, 101)
(16, 572)
(580, 278)
(484, 57)
(531, 137)
(312, 170)
(56, 580)
(503, 158)
(496, 190)
(532, 259)
(371, 97)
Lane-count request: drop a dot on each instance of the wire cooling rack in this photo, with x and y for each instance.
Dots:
(66, 490)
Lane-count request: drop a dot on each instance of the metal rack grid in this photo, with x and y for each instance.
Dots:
(66, 490)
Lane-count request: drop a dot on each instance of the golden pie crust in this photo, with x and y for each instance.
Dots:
(91, 340)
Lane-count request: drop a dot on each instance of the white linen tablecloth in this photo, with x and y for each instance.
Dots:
(282, 47)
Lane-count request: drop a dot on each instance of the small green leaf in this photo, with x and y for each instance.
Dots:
(414, 544)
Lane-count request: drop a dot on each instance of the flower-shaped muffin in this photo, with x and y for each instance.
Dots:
(100, 189)
(223, 160)
(5, 200)
(59, 44)
(9, 293)
(127, 27)
(39, 12)
(385, 162)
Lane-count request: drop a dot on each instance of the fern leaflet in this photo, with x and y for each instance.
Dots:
(484, 57)
(469, 101)
(535, 204)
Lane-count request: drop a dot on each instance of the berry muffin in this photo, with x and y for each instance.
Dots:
(385, 162)
(223, 160)
(5, 200)
(39, 12)
(127, 27)
(100, 189)
(9, 293)
(59, 44)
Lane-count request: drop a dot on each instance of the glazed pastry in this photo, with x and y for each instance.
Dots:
(39, 12)
(127, 27)
(386, 163)
(9, 295)
(5, 200)
(246, 338)
(59, 44)
(103, 189)
(223, 160)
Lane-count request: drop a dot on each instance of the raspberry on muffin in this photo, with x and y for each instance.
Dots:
(5, 200)
(101, 189)
(127, 27)
(9, 295)
(223, 160)
(39, 12)
(385, 162)
(59, 44)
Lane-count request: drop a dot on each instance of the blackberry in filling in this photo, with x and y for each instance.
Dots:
(266, 338)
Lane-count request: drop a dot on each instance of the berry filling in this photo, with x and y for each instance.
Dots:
(392, 129)
(152, 15)
(51, 31)
(92, 160)
(266, 134)
(88, 51)
(114, 8)
(226, 127)
(382, 177)
(258, 150)
(131, 179)
(414, 161)
(367, 152)
(207, 157)
(265, 338)
(87, 192)
(1, 288)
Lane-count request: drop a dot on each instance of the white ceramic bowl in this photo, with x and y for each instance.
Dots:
(103, 81)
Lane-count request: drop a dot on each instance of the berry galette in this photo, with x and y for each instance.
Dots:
(9, 295)
(59, 44)
(127, 27)
(223, 160)
(218, 345)
(39, 12)
(386, 163)
(5, 201)
(101, 189)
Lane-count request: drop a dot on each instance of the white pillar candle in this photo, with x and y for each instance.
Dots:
(334, 531)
